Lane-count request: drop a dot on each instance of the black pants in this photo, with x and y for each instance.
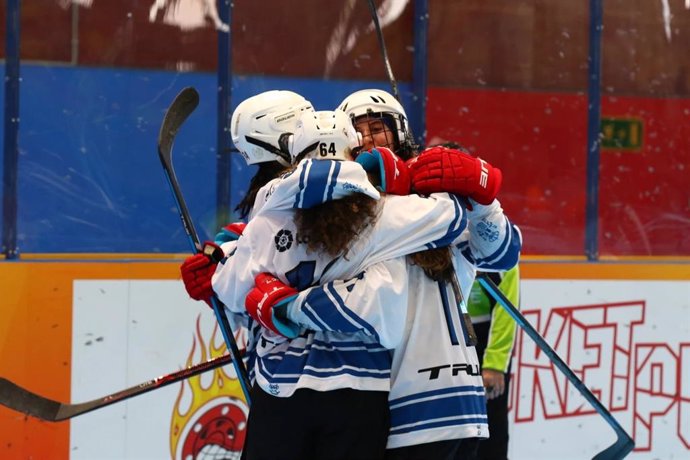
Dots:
(496, 447)
(456, 449)
(330, 425)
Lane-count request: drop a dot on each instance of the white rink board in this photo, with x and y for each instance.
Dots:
(649, 323)
(146, 329)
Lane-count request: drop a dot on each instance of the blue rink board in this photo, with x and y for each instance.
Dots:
(90, 179)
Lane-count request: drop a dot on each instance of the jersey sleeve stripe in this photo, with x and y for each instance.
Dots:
(456, 227)
(310, 313)
(327, 309)
(317, 183)
(335, 170)
(299, 196)
(507, 254)
(352, 317)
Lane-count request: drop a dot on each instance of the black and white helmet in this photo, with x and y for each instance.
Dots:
(377, 103)
(261, 125)
(327, 135)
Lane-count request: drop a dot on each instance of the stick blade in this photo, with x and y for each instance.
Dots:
(180, 108)
(618, 450)
(21, 400)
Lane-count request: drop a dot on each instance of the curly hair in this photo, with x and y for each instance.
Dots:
(332, 227)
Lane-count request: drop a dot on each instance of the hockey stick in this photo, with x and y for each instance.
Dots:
(462, 311)
(182, 106)
(22, 400)
(455, 284)
(624, 443)
(384, 51)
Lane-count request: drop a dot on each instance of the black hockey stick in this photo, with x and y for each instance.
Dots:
(180, 109)
(455, 284)
(384, 51)
(22, 400)
(624, 443)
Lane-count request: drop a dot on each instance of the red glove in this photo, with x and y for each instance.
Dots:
(198, 269)
(440, 169)
(264, 301)
(230, 232)
(389, 168)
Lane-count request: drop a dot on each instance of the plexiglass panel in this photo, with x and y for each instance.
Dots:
(506, 79)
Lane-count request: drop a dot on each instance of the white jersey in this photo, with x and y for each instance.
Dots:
(436, 387)
(270, 243)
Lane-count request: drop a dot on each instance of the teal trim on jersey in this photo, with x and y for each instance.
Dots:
(503, 328)
(372, 162)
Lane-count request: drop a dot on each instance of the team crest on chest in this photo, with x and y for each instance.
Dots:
(283, 240)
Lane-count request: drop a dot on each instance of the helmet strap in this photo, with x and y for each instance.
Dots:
(283, 156)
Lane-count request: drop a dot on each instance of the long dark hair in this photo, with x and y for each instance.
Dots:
(437, 263)
(267, 172)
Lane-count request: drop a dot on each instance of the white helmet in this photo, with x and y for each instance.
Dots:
(381, 104)
(261, 124)
(325, 135)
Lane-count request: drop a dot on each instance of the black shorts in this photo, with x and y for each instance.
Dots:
(454, 449)
(331, 425)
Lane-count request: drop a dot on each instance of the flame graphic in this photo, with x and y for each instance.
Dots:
(209, 415)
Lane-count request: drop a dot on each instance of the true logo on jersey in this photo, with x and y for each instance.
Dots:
(455, 369)
(283, 240)
(274, 389)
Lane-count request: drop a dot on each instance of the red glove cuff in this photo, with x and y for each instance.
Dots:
(391, 170)
(197, 271)
(490, 180)
(261, 303)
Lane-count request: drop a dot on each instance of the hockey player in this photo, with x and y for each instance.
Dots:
(260, 126)
(436, 387)
(351, 230)
(257, 127)
(436, 398)
(326, 381)
(363, 380)
(465, 414)
(381, 121)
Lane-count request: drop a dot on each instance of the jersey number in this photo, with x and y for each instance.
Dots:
(327, 148)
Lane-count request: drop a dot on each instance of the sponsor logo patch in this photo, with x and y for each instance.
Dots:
(283, 240)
